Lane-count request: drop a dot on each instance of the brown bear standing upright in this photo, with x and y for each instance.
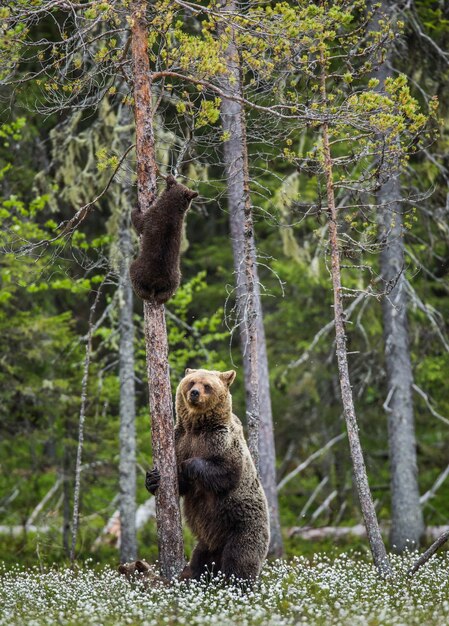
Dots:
(155, 274)
(224, 503)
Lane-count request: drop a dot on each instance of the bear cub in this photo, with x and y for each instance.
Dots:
(223, 500)
(155, 274)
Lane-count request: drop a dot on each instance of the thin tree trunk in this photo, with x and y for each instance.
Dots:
(429, 553)
(267, 451)
(407, 523)
(250, 318)
(168, 516)
(66, 490)
(127, 435)
(315, 455)
(359, 470)
(82, 417)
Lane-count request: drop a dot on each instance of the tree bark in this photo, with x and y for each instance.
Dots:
(168, 516)
(377, 545)
(249, 309)
(407, 523)
(127, 435)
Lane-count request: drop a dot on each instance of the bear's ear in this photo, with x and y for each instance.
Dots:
(142, 566)
(228, 377)
(189, 371)
(170, 181)
(191, 194)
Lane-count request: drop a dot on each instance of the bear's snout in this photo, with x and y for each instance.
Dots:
(194, 396)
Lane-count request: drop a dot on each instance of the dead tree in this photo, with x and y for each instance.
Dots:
(82, 417)
(429, 553)
(171, 547)
(249, 307)
(127, 434)
(358, 463)
(407, 523)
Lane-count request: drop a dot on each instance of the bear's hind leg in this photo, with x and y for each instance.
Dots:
(164, 288)
(241, 560)
(161, 297)
(138, 220)
(139, 279)
(204, 561)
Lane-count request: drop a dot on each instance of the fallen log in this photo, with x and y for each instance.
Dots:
(343, 532)
(111, 533)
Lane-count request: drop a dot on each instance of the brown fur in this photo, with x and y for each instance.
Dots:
(144, 572)
(224, 503)
(155, 274)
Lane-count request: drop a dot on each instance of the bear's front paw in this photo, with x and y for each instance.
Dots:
(152, 480)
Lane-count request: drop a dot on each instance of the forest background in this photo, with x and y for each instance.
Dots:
(63, 135)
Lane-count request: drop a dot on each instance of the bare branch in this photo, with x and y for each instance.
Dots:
(302, 466)
(83, 212)
(444, 56)
(43, 502)
(425, 397)
(313, 496)
(431, 314)
(194, 332)
(436, 485)
(429, 553)
(323, 506)
(323, 332)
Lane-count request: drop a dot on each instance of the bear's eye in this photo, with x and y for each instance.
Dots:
(207, 388)
(191, 385)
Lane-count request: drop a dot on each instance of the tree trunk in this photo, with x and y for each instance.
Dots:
(377, 546)
(127, 436)
(82, 417)
(67, 473)
(407, 524)
(267, 452)
(250, 318)
(407, 520)
(168, 516)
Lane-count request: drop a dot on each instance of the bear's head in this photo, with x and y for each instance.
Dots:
(180, 195)
(202, 390)
(142, 571)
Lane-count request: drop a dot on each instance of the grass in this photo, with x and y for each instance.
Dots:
(317, 591)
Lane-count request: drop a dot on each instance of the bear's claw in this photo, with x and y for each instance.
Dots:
(152, 480)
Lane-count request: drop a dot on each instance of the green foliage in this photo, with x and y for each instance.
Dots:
(193, 340)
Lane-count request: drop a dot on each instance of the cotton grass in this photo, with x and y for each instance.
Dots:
(323, 591)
